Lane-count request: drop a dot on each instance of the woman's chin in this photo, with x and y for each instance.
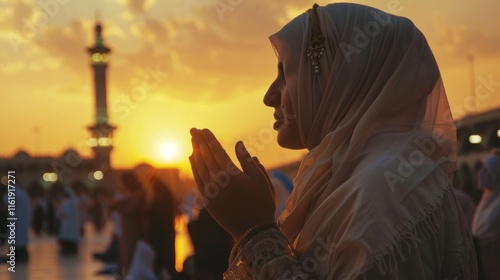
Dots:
(288, 141)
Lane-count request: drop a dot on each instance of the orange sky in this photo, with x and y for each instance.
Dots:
(214, 65)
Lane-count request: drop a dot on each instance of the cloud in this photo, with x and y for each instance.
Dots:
(208, 57)
(463, 39)
(214, 52)
(201, 53)
(15, 15)
(210, 54)
(136, 5)
(66, 44)
(50, 62)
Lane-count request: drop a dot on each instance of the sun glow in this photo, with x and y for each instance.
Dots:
(166, 150)
(169, 151)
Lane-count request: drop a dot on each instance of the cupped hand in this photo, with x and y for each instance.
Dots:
(237, 199)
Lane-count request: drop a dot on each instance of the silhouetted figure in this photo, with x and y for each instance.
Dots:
(22, 213)
(69, 228)
(80, 190)
(35, 190)
(36, 194)
(212, 246)
(486, 223)
(56, 194)
(470, 188)
(38, 213)
(110, 255)
(161, 232)
(131, 209)
(466, 203)
(97, 212)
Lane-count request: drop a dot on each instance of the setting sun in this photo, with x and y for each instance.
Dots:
(169, 151)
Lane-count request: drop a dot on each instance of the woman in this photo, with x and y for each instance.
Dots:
(361, 91)
(486, 223)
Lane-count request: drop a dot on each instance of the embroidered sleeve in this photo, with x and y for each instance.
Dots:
(268, 255)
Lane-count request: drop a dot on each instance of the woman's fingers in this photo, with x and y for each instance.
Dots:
(201, 156)
(263, 169)
(196, 176)
(219, 154)
(199, 163)
(215, 157)
(248, 164)
(207, 155)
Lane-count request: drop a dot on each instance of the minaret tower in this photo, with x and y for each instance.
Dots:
(101, 139)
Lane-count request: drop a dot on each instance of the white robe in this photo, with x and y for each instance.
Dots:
(69, 228)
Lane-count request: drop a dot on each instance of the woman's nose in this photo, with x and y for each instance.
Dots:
(273, 95)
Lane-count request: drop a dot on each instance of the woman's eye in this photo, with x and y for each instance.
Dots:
(281, 73)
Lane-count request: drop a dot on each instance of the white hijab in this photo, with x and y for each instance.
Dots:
(486, 222)
(380, 135)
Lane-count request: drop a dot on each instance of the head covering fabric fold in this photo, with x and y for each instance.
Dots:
(380, 135)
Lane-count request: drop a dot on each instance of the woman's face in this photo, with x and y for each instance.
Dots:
(277, 96)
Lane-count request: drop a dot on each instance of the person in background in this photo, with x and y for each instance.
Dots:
(36, 193)
(97, 208)
(467, 204)
(159, 214)
(23, 219)
(131, 209)
(283, 186)
(212, 245)
(81, 194)
(486, 222)
(110, 255)
(55, 196)
(69, 223)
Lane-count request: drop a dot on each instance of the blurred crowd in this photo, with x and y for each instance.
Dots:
(140, 219)
(143, 214)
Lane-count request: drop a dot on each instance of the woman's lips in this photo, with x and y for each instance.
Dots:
(277, 125)
(279, 120)
(278, 117)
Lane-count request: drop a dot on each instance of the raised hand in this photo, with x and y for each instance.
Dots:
(237, 199)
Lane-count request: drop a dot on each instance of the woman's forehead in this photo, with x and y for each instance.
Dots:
(290, 35)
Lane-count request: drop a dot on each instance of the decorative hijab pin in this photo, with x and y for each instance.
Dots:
(316, 46)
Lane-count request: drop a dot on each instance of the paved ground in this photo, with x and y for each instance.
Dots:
(46, 263)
